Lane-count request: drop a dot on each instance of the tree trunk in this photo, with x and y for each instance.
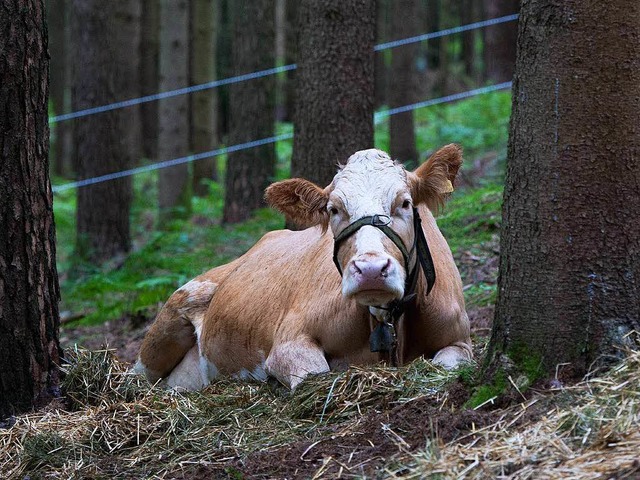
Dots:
(105, 143)
(149, 85)
(383, 28)
(29, 347)
(402, 82)
(252, 109)
(204, 104)
(500, 41)
(335, 85)
(291, 56)
(56, 15)
(433, 45)
(467, 16)
(570, 244)
(174, 186)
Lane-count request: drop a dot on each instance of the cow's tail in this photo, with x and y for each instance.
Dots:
(175, 329)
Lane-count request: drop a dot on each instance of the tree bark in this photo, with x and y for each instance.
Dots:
(204, 104)
(149, 75)
(29, 294)
(467, 16)
(105, 142)
(383, 28)
(569, 284)
(251, 107)
(500, 41)
(174, 186)
(402, 82)
(335, 85)
(56, 19)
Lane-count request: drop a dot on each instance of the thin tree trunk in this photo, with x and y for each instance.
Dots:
(106, 142)
(174, 186)
(467, 16)
(335, 85)
(383, 26)
(149, 75)
(570, 245)
(252, 109)
(402, 82)
(433, 45)
(56, 13)
(204, 104)
(291, 56)
(500, 41)
(29, 294)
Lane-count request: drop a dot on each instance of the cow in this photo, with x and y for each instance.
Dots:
(370, 278)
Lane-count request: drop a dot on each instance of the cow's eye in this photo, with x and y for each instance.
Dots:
(332, 210)
(406, 204)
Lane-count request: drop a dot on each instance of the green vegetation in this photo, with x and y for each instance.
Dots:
(161, 261)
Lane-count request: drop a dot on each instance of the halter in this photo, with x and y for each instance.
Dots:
(383, 338)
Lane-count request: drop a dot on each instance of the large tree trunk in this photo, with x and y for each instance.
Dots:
(570, 245)
(149, 85)
(252, 109)
(500, 41)
(29, 348)
(105, 143)
(204, 104)
(335, 85)
(174, 186)
(402, 82)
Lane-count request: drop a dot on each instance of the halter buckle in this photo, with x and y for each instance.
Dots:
(380, 220)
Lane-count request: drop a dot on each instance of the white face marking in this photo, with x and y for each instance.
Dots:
(372, 184)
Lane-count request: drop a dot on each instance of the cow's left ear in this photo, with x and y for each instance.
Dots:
(302, 202)
(432, 182)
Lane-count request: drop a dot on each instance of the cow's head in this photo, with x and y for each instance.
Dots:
(370, 185)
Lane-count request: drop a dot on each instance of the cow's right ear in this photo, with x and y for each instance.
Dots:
(302, 202)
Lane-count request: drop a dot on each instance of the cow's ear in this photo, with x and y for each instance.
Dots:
(432, 182)
(302, 202)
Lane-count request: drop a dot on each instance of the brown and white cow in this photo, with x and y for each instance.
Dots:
(283, 310)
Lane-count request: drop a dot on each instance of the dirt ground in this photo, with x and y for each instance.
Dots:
(362, 449)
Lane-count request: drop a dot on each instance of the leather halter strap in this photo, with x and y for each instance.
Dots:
(381, 222)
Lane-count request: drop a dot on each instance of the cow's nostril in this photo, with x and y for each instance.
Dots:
(355, 268)
(385, 270)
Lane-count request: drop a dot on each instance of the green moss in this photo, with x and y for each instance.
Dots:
(483, 393)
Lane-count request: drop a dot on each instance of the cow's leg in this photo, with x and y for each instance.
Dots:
(290, 362)
(187, 375)
(453, 355)
(174, 332)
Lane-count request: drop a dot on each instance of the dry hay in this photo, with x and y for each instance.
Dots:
(592, 432)
(115, 425)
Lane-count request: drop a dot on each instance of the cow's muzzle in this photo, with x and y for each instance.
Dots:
(375, 271)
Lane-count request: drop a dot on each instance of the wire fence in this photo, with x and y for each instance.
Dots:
(378, 117)
(271, 71)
